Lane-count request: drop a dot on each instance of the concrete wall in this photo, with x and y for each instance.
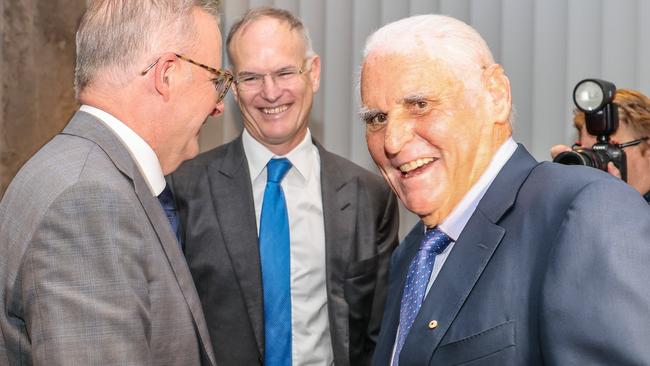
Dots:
(36, 75)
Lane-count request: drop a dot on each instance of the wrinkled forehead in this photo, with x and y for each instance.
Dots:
(395, 75)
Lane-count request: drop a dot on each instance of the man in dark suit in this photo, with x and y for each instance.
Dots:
(91, 270)
(310, 287)
(514, 262)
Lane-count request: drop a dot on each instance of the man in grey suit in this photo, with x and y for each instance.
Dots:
(309, 286)
(91, 270)
(514, 262)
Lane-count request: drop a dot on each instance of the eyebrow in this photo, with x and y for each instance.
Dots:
(414, 98)
(367, 113)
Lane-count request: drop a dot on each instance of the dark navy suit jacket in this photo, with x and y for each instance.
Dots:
(552, 268)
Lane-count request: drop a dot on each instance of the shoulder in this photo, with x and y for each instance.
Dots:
(333, 164)
(567, 183)
(61, 163)
(578, 199)
(212, 157)
(71, 181)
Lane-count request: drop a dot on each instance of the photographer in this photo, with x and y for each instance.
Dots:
(634, 118)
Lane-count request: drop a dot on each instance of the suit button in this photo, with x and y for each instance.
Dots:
(433, 324)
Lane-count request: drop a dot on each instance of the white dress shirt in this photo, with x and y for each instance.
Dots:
(311, 342)
(144, 156)
(454, 224)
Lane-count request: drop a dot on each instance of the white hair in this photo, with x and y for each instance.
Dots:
(440, 36)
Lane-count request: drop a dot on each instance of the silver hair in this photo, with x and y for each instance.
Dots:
(430, 32)
(438, 35)
(116, 37)
(251, 15)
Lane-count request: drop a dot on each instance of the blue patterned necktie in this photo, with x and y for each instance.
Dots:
(433, 243)
(274, 257)
(166, 199)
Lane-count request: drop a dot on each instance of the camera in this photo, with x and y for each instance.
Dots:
(595, 98)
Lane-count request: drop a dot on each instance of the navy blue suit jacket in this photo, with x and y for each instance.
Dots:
(552, 268)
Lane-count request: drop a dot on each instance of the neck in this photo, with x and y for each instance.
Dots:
(122, 105)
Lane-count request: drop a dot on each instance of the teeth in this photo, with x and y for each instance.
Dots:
(275, 110)
(405, 168)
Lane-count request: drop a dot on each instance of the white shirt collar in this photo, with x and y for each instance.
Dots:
(258, 155)
(460, 215)
(144, 156)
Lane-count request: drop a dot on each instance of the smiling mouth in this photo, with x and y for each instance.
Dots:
(415, 166)
(275, 110)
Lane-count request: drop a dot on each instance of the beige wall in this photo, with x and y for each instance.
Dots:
(36, 71)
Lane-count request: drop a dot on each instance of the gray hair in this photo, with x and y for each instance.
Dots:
(441, 36)
(117, 36)
(280, 14)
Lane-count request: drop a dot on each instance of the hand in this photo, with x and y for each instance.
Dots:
(613, 170)
(557, 149)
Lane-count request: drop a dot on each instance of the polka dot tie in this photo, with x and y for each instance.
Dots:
(433, 243)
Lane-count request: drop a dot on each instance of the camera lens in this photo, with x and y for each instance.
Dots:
(584, 156)
(574, 158)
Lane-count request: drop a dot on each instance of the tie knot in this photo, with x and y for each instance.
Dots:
(166, 197)
(276, 169)
(435, 241)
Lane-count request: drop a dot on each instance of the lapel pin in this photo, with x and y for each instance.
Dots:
(433, 324)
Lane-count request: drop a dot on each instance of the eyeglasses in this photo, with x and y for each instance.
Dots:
(221, 82)
(283, 78)
(633, 143)
(622, 146)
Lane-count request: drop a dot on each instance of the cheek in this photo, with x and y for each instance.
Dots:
(375, 143)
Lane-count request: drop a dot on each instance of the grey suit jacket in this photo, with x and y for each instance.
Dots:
(217, 210)
(552, 269)
(90, 271)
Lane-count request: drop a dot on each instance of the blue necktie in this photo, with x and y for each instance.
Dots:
(166, 198)
(433, 243)
(274, 256)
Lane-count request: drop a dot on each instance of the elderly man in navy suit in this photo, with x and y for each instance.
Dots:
(514, 262)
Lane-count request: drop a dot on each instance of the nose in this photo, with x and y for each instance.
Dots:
(399, 131)
(270, 90)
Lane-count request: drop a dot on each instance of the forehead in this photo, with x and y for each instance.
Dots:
(207, 34)
(390, 77)
(266, 43)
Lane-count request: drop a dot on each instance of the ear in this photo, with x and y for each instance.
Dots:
(165, 73)
(498, 86)
(314, 74)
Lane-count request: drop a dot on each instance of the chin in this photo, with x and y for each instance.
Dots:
(419, 205)
(191, 150)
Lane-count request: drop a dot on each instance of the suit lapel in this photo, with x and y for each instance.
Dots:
(467, 261)
(97, 132)
(462, 269)
(230, 186)
(175, 257)
(338, 193)
(397, 279)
